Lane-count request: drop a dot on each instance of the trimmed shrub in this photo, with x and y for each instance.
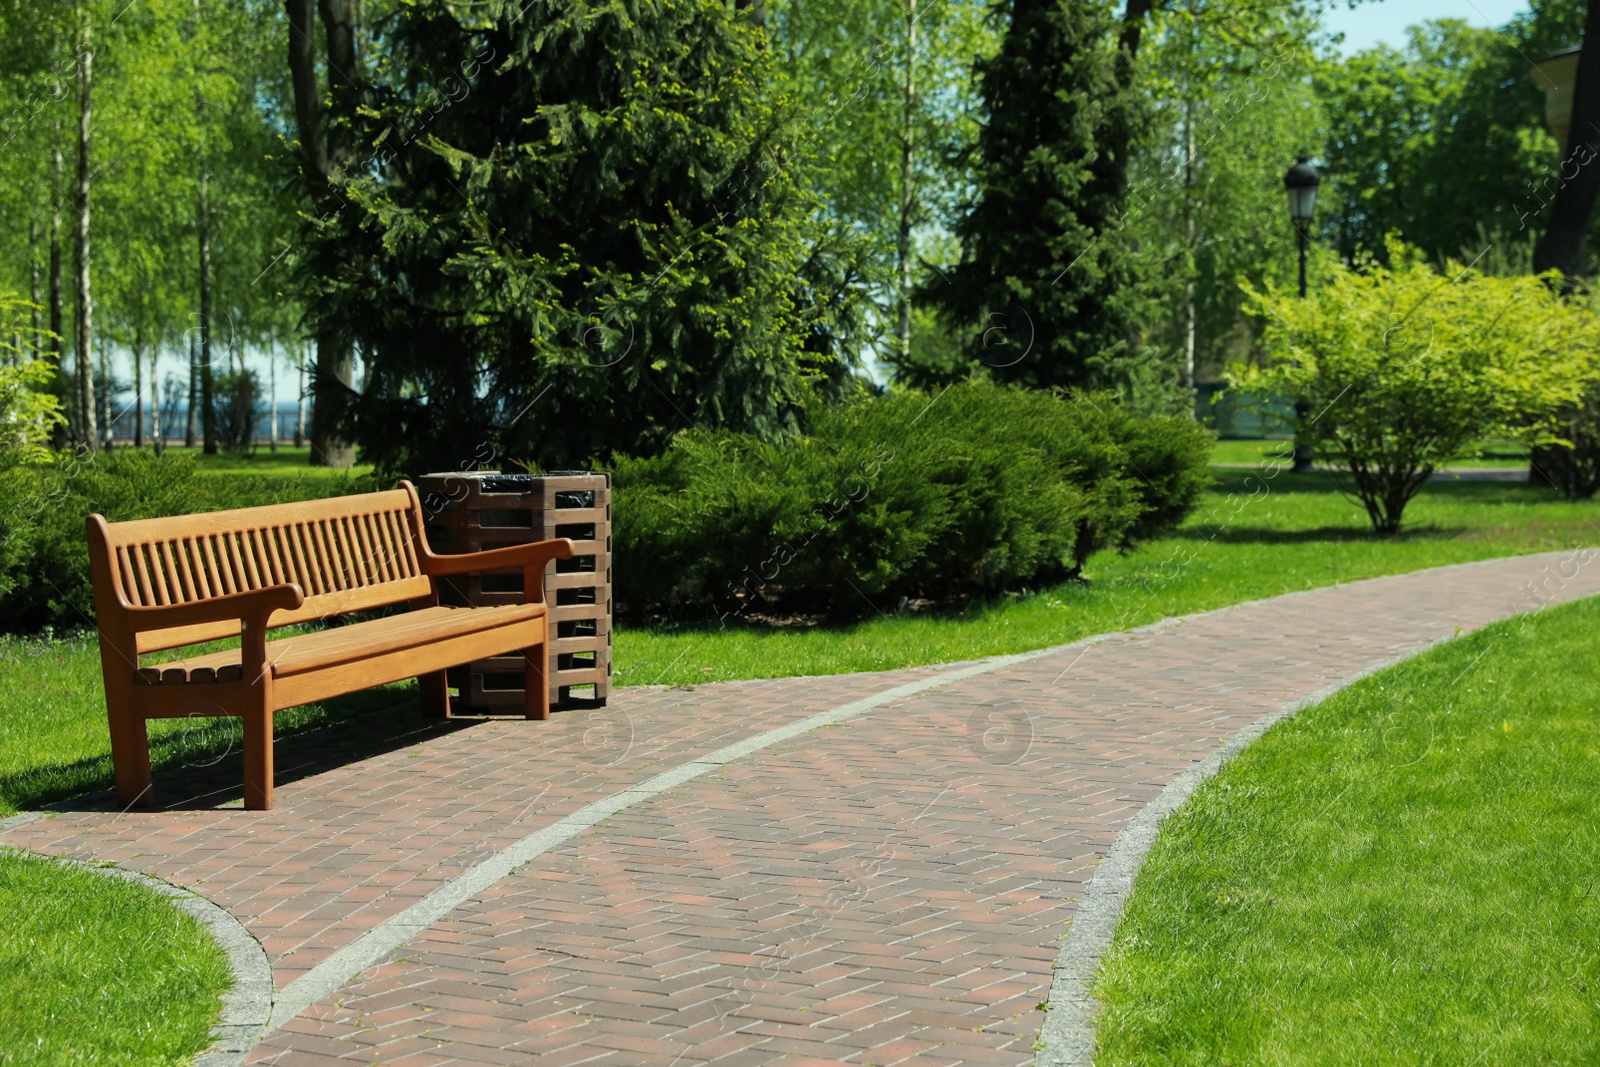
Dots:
(974, 490)
(48, 582)
(1406, 367)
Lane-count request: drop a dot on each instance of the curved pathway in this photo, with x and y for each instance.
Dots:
(865, 869)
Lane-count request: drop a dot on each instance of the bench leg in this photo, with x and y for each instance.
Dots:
(435, 689)
(536, 696)
(258, 752)
(130, 758)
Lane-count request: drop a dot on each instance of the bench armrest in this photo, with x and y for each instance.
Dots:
(246, 607)
(532, 559)
(537, 555)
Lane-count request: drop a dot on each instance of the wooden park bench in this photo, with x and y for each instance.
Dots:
(161, 584)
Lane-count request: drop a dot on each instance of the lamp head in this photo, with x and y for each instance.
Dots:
(1301, 184)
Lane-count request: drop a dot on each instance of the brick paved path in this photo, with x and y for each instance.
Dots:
(887, 890)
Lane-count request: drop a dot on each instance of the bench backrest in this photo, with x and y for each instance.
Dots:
(345, 553)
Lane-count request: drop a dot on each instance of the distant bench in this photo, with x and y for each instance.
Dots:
(164, 583)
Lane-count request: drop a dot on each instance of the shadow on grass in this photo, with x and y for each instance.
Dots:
(201, 766)
(1266, 535)
(1251, 483)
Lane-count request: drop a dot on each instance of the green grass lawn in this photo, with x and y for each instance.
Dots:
(287, 462)
(1404, 874)
(100, 971)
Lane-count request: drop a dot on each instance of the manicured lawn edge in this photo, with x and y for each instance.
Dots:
(247, 1005)
(1398, 874)
(1067, 1037)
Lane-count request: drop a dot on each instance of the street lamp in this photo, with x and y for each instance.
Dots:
(1301, 184)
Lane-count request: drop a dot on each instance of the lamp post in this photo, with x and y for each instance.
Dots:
(1301, 184)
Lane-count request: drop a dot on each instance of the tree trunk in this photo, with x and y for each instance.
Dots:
(84, 339)
(303, 79)
(208, 407)
(57, 326)
(908, 202)
(300, 413)
(194, 397)
(272, 399)
(326, 150)
(33, 287)
(1565, 244)
(138, 388)
(158, 440)
(339, 24)
(1190, 325)
(335, 353)
(335, 372)
(1132, 33)
(106, 426)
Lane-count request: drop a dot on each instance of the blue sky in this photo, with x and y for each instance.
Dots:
(1386, 20)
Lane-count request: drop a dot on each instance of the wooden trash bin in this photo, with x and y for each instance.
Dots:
(487, 509)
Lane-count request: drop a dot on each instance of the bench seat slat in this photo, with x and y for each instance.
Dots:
(224, 672)
(345, 644)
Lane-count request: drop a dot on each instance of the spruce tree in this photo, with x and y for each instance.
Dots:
(1048, 292)
(578, 228)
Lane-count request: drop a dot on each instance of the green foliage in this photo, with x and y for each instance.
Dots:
(1047, 292)
(1231, 109)
(49, 578)
(180, 86)
(581, 229)
(977, 489)
(937, 358)
(892, 119)
(28, 414)
(1436, 141)
(1404, 368)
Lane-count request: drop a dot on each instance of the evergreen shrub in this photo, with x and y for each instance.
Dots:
(47, 561)
(976, 490)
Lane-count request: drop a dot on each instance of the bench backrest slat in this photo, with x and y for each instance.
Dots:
(345, 553)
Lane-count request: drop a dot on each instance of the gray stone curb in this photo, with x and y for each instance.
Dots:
(248, 1005)
(21, 818)
(1067, 1038)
